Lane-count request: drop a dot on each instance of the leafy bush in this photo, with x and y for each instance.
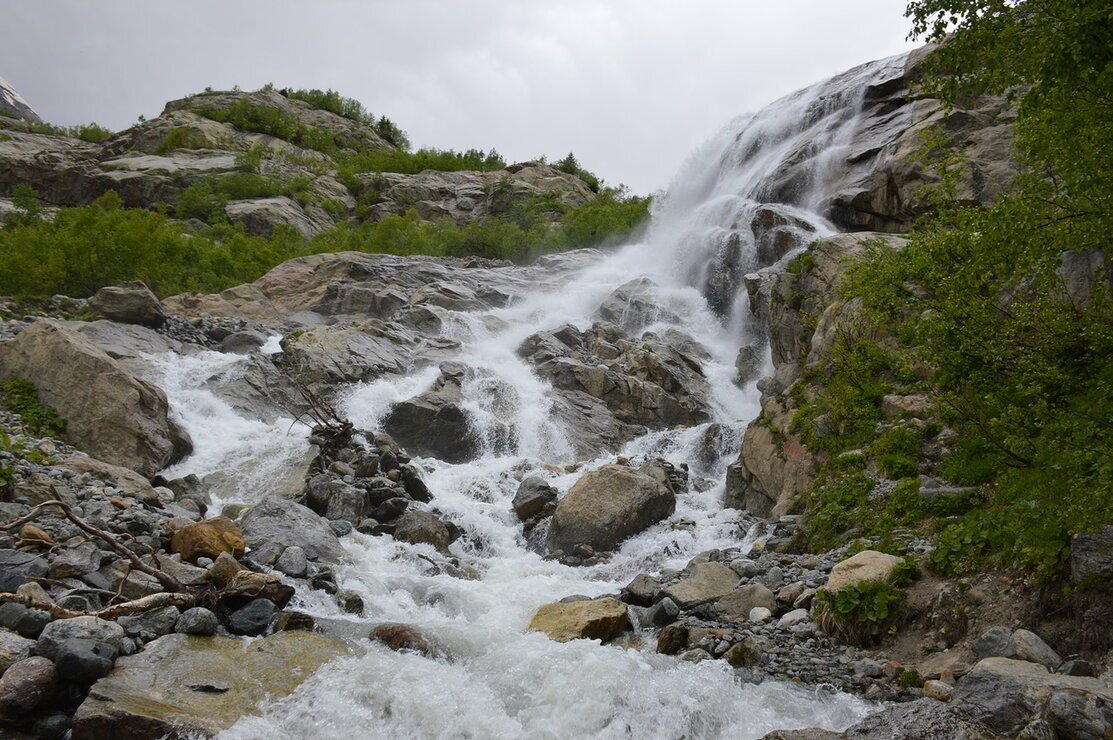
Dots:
(572, 167)
(21, 398)
(206, 198)
(90, 132)
(333, 102)
(182, 137)
(85, 248)
(410, 163)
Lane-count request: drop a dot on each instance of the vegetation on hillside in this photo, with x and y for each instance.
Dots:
(84, 248)
(1002, 313)
(91, 132)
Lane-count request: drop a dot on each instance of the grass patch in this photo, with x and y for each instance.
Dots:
(21, 398)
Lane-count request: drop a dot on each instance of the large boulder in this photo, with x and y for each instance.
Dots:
(606, 506)
(1091, 556)
(594, 619)
(109, 412)
(183, 685)
(434, 423)
(924, 719)
(129, 303)
(1008, 694)
(288, 523)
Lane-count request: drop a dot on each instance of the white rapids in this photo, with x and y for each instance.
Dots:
(502, 681)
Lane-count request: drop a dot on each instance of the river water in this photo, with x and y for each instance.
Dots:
(502, 681)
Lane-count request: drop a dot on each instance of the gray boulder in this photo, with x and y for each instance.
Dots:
(129, 303)
(197, 621)
(289, 523)
(109, 412)
(1091, 555)
(27, 685)
(79, 628)
(17, 568)
(1007, 695)
(434, 424)
(532, 496)
(423, 527)
(606, 506)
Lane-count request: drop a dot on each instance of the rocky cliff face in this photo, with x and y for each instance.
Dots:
(153, 162)
(13, 105)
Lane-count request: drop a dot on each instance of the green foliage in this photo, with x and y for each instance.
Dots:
(897, 450)
(21, 398)
(90, 132)
(572, 167)
(333, 102)
(1020, 358)
(410, 163)
(83, 249)
(859, 371)
(86, 248)
(611, 217)
(182, 137)
(206, 198)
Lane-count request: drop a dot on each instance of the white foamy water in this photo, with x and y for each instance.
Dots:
(502, 681)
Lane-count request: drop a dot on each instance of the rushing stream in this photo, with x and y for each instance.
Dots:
(503, 681)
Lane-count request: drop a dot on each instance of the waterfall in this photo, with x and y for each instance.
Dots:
(749, 197)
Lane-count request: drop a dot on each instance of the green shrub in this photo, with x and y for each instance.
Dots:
(206, 198)
(410, 163)
(862, 613)
(90, 132)
(572, 167)
(21, 398)
(181, 137)
(333, 102)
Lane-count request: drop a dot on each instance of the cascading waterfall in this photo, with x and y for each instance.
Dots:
(747, 198)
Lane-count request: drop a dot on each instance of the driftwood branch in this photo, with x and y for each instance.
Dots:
(147, 603)
(169, 582)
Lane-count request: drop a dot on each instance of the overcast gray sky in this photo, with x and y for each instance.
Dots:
(630, 86)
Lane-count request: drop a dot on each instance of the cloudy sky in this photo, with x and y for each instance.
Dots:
(630, 86)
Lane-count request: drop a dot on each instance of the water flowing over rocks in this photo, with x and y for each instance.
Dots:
(414, 465)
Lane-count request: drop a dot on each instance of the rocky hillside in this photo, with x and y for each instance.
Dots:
(12, 104)
(293, 154)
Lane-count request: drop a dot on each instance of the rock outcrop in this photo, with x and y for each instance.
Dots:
(109, 412)
(13, 105)
(154, 161)
(800, 306)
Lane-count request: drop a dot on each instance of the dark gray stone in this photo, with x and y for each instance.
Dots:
(151, 624)
(995, 642)
(197, 621)
(252, 619)
(289, 523)
(18, 568)
(532, 496)
(79, 628)
(84, 661)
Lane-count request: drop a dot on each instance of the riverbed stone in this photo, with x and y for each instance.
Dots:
(289, 523)
(27, 684)
(606, 506)
(532, 496)
(594, 619)
(707, 582)
(737, 605)
(197, 621)
(185, 684)
(208, 539)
